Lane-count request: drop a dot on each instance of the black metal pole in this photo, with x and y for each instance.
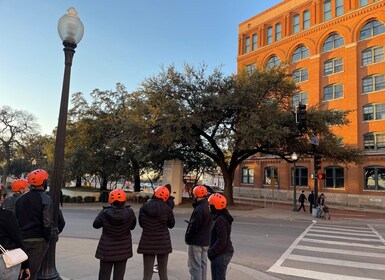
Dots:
(295, 189)
(48, 269)
(315, 178)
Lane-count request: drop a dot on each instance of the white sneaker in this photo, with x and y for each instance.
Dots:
(155, 268)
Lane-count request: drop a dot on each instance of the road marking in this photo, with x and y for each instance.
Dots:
(328, 261)
(303, 273)
(345, 229)
(343, 243)
(343, 233)
(378, 235)
(344, 237)
(342, 227)
(339, 251)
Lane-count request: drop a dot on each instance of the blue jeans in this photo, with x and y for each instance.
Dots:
(219, 266)
(11, 273)
(197, 262)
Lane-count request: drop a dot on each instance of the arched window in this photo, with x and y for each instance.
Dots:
(247, 175)
(334, 177)
(375, 178)
(300, 176)
(374, 141)
(332, 42)
(271, 176)
(273, 61)
(300, 53)
(372, 28)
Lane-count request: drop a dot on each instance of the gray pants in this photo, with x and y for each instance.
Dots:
(197, 262)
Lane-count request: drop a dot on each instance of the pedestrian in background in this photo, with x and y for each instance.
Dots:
(115, 243)
(19, 187)
(156, 218)
(311, 201)
(10, 238)
(302, 199)
(197, 235)
(34, 214)
(221, 248)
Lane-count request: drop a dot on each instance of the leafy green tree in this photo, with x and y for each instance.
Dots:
(230, 118)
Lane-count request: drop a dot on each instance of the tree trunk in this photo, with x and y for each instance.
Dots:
(5, 170)
(136, 172)
(78, 181)
(228, 190)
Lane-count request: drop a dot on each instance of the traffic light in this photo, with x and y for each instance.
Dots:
(317, 162)
(301, 116)
(321, 176)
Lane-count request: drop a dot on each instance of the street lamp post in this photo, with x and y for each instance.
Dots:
(71, 31)
(294, 158)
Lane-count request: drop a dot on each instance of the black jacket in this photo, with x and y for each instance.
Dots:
(220, 240)
(198, 229)
(155, 217)
(10, 234)
(34, 214)
(9, 202)
(170, 202)
(115, 243)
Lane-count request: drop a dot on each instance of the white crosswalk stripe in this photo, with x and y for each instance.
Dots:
(334, 252)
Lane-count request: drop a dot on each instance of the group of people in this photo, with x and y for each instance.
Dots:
(322, 208)
(26, 222)
(207, 235)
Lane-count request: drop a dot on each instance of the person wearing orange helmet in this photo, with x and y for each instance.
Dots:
(197, 235)
(221, 248)
(34, 213)
(156, 218)
(19, 187)
(115, 243)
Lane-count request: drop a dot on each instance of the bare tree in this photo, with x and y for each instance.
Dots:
(15, 127)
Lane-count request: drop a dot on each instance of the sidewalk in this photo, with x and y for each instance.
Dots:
(75, 256)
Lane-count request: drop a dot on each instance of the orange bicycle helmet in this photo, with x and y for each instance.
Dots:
(37, 177)
(200, 191)
(19, 184)
(218, 200)
(117, 195)
(162, 192)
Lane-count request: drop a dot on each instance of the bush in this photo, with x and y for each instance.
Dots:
(89, 199)
(66, 198)
(72, 199)
(79, 199)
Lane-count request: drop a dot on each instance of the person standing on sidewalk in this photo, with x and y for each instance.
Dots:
(311, 200)
(115, 244)
(302, 199)
(34, 214)
(156, 218)
(197, 235)
(221, 248)
(19, 187)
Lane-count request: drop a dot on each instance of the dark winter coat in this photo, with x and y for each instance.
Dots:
(115, 243)
(155, 217)
(170, 202)
(9, 202)
(220, 240)
(302, 198)
(198, 229)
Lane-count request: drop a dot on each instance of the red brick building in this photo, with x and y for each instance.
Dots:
(335, 49)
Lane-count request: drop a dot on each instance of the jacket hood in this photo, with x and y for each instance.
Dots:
(115, 215)
(224, 213)
(153, 207)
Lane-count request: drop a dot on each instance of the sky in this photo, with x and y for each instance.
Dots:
(125, 41)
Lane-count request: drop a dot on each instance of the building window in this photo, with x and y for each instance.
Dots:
(306, 19)
(300, 97)
(300, 75)
(372, 28)
(300, 176)
(374, 141)
(300, 53)
(332, 66)
(334, 177)
(374, 112)
(372, 55)
(273, 61)
(271, 173)
(327, 10)
(332, 42)
(247, 45)
(295, 23)
(364, 3)
(339, 7)
(250, 68)
(375, 178)
(333, 92)
(247, 175)
(373, 83)
(269, 35)
(255, 42)
(278, 32)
